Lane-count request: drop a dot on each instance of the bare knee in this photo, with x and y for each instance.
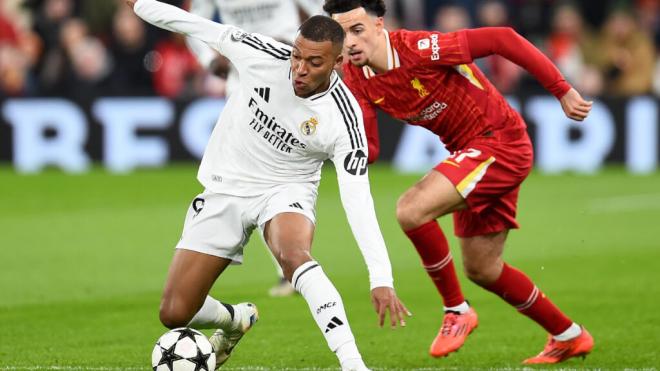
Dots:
(482, 270)
(173, 314)
(482, 257)
(481, 274)
(409, 213)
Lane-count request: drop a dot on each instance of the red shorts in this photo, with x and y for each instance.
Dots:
(488, 173)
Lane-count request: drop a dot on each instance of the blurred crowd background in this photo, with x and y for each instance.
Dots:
(87, 48)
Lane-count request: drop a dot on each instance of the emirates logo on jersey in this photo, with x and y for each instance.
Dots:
(421, 89)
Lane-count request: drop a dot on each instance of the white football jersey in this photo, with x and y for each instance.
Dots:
(266, 135)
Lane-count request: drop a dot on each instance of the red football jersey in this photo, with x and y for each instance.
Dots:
(433, 83)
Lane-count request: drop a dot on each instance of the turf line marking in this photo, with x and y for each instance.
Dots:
(649, 201)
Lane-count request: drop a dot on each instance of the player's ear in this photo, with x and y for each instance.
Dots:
(339, 61)
(379, 22)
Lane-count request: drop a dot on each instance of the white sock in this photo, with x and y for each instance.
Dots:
(461, 308)
(327, 309)
(572, 332)
(349, 356)
(212, 314)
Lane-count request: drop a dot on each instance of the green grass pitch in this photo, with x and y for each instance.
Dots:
(83, 261)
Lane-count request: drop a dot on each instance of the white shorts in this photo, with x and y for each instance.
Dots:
(220, 224)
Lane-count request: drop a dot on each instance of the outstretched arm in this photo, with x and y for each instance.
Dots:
(206, 56)
(509, 44)
(177, 20)
(359, 207)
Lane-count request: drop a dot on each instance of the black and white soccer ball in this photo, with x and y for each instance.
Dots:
(183, 349)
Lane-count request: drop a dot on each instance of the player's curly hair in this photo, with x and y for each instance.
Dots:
(375, 7)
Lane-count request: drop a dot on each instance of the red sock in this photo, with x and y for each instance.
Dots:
(518, 290)
(433, 248)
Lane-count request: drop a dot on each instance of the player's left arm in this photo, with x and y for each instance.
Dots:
(506, 42)
(350, 159)
(359, 207)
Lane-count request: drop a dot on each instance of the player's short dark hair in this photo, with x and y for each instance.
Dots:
(375, 7)
(321, 28)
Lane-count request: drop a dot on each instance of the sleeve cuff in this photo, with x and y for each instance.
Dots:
(560, 88)
(381, 282)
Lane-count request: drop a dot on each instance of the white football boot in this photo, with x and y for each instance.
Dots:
(224, 341)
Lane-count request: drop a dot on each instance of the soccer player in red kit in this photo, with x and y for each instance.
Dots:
(428, 79)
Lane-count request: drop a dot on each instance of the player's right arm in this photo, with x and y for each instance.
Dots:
(204, 54)
(230, 41)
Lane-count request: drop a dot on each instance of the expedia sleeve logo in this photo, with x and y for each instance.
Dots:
(435, 48)
(355, 163)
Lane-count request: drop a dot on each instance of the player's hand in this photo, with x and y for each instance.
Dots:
(131, 3)
(384, 299)
(574, 106)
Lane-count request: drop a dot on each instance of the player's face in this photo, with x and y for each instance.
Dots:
(362, 33)
(312, 63)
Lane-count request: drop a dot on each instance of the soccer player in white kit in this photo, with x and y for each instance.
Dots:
(278, 19)
(261, 169)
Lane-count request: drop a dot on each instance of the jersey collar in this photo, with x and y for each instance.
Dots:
(392, 58)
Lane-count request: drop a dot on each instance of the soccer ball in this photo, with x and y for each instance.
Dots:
(183, 349)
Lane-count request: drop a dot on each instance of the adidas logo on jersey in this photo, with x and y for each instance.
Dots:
(296, 205)
(263, 93)
(334, 323)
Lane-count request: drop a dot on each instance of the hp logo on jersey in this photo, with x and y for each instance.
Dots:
(356, 163)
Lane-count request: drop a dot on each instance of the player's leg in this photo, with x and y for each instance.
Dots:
(213, 236)
(188, 283)
(289, 235)
(435, 195)
(283, 286)
(483, 264)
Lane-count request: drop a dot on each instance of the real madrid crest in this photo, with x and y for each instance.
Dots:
(309, 127)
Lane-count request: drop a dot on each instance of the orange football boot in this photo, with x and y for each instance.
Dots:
(455, 329)
(556, 351)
